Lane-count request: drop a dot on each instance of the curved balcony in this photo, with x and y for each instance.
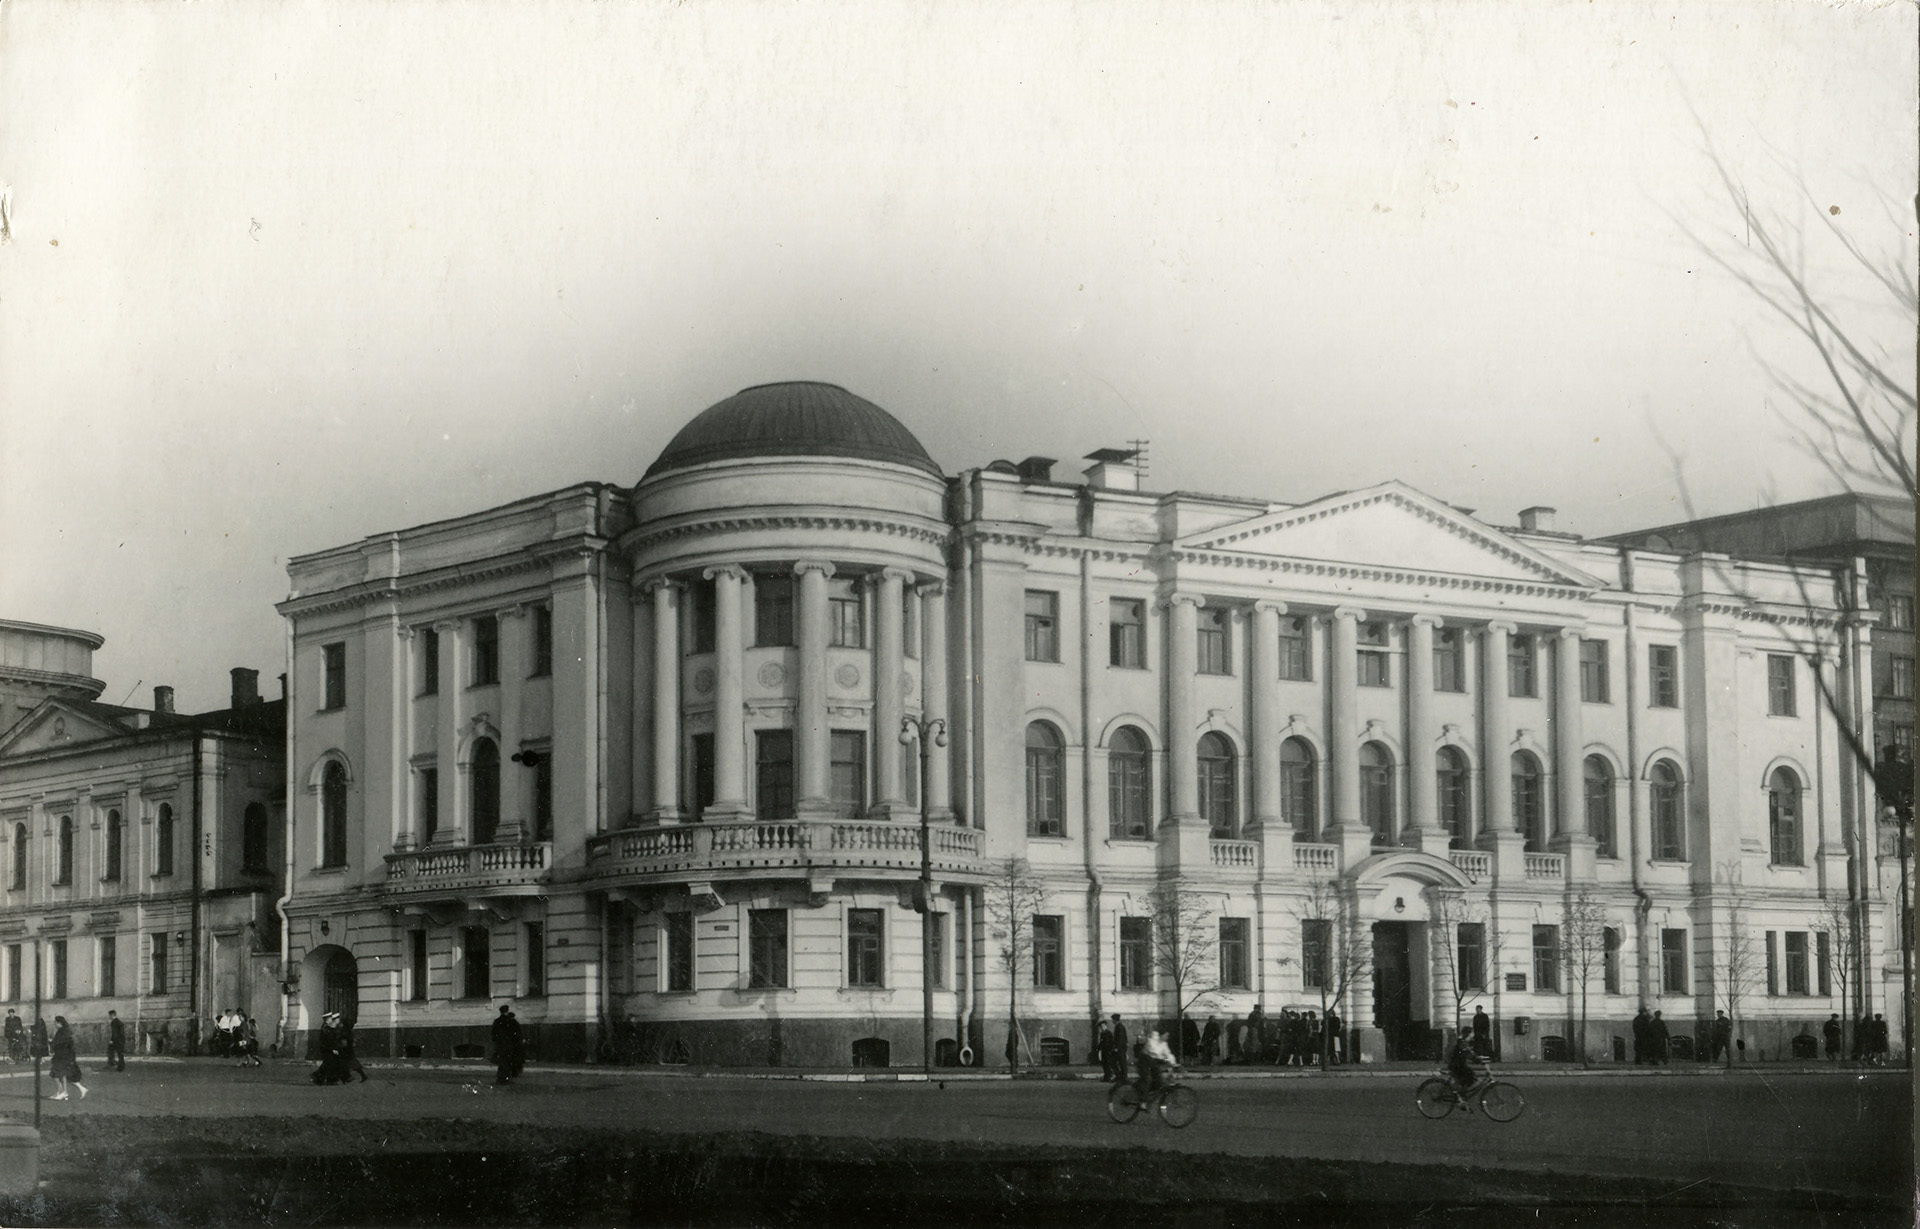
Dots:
(469, 869)
(790, 846)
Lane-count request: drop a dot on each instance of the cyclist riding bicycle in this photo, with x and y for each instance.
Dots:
(1465, 1069)
(1153, 1059)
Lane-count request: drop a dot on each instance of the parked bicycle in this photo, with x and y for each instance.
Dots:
(1176, 1104)
(1497, 1099)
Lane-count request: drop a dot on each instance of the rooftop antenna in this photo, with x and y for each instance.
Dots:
(1139, 461)
(130, 691)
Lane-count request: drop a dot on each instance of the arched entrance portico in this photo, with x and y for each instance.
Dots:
(329, 981)
(1403, 1009)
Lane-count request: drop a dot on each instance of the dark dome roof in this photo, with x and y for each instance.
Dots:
(798, 419)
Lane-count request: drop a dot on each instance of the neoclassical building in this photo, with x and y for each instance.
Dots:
(631, 758)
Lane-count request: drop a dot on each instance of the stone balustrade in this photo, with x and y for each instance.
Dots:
(1317, 859)
(1473, 863)
(1236, 855)
(477, 868)
(784, 845)
(1546, 866)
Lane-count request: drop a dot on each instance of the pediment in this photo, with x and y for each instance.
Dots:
(1389, 526)
(55, 724)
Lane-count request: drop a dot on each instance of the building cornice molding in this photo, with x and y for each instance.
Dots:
(1380, 574)
(397, 588)
(643, 539)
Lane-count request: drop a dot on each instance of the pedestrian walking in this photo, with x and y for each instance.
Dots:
(1255, 1043)
(506, 1044)
(1120, 1050)
(66, 1065)
(116, 1042)
(1722, 1036)
(1482, 1033)
(1336, 1040)
(1882, 1042)
(1661, 1039)
(1830, 1032)
(1315, 1039)
(352, 1063)
(250, 1043)
(1642, 1036)
(330, 1047)
(16, 1032)
(1103, 1049)
(1209, 1042)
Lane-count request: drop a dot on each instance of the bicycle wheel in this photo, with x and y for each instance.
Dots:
(1502, 1102)
(1435, 1098)
(1179, 1105)
(1123, 1103)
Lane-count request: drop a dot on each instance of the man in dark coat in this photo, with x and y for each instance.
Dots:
(1643, 1037)
(16, 1032)
(1659, 1039)
(1209, 1042)
(1482, 1033)
(116, 1042)
(1120, 1050)
(1336, 1040)
(1831, 1032)
(506, 1044)
(1254, 1045)
(1722, 1036)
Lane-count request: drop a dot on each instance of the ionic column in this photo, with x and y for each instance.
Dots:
(1570, 835)
(729, 693)
(1426, 832)
(1497, 832)
(516, 816)
(1263, 661)
(1183, 780)
(812, 741)
(933, 691)
(666, 698)
(1440, 968)
(452, 828)
(1343, 752)
(889, 705)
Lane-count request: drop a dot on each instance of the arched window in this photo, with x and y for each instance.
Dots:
(19, 857)
(1376, 791)
(1663, 796)
(1783, 816)
(253, 840)
(1046, 809)
(1298, 796)
(1455, 796)
(486, 791)
(63, 852)
(1129, 785)
(1599, 776)
(1218, 806)
(163, 837)
(1529, 807)
(333, 814)
(115, 837)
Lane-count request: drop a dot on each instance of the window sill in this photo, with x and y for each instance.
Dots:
(328, 870)
(1146, 842)
(1786, 866)
(1121, 665)
(483, 686)
(337, 708)
(1043, 661)
(1052, 838)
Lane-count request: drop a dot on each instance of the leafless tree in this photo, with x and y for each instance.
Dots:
(1448, 909)
(1184, 948)
(1335, 953)
(1840, 919)
(1013, 896)
(1741, 960)
(1583, 949)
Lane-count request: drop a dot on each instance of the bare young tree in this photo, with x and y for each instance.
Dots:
(1183, 948)
(1013, 896)
(1838, 918)
(1583, 949)
(1334, 953)
(1741, 960)
(1448, 911)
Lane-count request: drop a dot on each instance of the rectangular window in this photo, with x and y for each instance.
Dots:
(1773, 966)
(1520, 663)
(703, 778)
(486, 650)
(701, 616)
(1663, 676)
(157, 974)
(1594, 688)
(1296, 650)
(1316, 953)
(333, 676)
(1375, 668)
(1235, 968)
(1136, 948)
(1900, 611)
(1043, 626)
(1213, 652)
(1823, 962)
(1673, 961)
(543, 796)
(1546, 958)
(937, 951)
(429, 650)
(1610, 960)
(849, 769)
(535, 937)
(1473, 955)
(1449, 659)
(1902, 742)
(1780, 685)
(846, 629)
(772, 610)
(427, 802)
(863, 948)
(773, 774)
(417, 980)
(476, 962)
(1902, 680)
(110, 970)
(767, 949)
(1049, 957)
(678, 937)
(1127, 633)
(1797, 980)
(542, 642)
(57, 958)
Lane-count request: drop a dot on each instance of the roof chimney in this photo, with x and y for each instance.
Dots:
(1113, 469)
(1537, 518)
(1036, 469)
(246, 687)
(163, 699)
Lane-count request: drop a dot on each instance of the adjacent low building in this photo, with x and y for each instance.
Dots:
(632, 759)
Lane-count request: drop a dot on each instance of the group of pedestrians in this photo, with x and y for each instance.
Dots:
(1293, 1038)
(1871, 1043)
(1652, 1040)
(33, 1041)
(236, 1035)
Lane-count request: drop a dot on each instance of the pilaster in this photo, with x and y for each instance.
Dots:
(811, 736)
(729, 694)
(666, 596)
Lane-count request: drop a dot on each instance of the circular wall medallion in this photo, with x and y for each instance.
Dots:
(847, 675)
(703, 680)
(772, 674)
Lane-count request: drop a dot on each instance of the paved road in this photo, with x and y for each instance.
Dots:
(1850, 1133)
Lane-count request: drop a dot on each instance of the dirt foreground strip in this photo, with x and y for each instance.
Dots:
(275, 1171)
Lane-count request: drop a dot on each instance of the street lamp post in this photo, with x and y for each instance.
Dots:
(928, 732)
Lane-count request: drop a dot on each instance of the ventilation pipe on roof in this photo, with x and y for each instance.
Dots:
(1036, 469)
(1113, 469)
(1537, 517)
(246, 687)
(163, 699)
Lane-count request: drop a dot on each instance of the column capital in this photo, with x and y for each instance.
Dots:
(446, 625)
(1501, 625)
(1350, 612)
(1426, 620)
(900, 574)
(1270, 606)
(725, 571)
(805, 566)
(658, 583)
(1183, 599)
(931, 588)
(515, 611)
(1570, 633)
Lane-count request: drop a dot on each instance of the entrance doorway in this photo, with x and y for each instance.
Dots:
(342, 982)
(1393, 988)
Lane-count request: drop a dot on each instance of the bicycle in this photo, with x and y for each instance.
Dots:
(1176, 1104)
(1498, 1099)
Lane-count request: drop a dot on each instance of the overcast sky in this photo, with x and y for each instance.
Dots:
(285, 275)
